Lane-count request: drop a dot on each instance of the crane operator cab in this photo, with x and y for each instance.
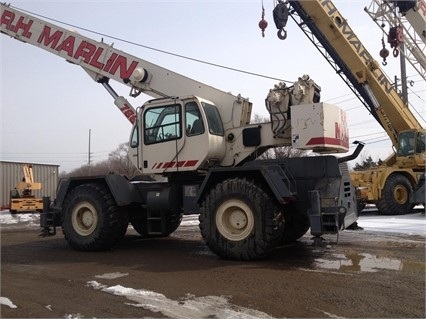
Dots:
(173, 135)
(192, 134)
(411, 147)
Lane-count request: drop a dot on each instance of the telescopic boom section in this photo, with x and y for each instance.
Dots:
(390, 110)
(103, 62)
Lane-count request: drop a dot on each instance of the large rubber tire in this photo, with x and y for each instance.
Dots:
(172, 223)
(239, 221)
(91, 219)
(296, 224)
(396, 195)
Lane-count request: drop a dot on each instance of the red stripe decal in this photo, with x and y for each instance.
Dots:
(328, 140)
(190, 163)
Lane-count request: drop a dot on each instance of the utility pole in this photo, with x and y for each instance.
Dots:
(403, 70)
(404, 87)
(89, 153)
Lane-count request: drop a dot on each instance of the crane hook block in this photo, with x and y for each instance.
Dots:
(384, 53)
(280, 14)
(395, 38)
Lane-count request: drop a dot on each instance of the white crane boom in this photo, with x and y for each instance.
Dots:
(103, 62)
(413, 24)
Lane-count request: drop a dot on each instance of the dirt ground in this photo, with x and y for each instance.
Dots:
(367, 274)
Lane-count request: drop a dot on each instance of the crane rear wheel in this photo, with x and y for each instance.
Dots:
(396, 194)
(240, 221)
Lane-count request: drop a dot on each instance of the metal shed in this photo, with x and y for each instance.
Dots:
(11, 173)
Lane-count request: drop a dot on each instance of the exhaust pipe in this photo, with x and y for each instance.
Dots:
(354, 154)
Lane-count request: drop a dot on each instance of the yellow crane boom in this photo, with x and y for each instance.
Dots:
(397, 184)
(393, 113)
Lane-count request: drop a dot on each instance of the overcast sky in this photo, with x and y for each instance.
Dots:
(48, 105)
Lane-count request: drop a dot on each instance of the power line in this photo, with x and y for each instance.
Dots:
(187, 57)
(369, 134)
(338, 97)
(361, 123)
(155, 49)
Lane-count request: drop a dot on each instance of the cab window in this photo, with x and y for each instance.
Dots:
(420, 143)
(406, 143)
(213, 119)
(194, 121)
(162, 124)
(134, 139)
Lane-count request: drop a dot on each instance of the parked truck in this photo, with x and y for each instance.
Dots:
(202, 141)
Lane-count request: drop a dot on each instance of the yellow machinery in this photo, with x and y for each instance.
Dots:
(397, 184)
(22, 198)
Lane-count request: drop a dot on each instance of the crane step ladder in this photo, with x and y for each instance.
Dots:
(156, 223)
(323, 220)
(155, 218)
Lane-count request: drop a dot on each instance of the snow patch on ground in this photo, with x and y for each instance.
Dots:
(112, 275)
(190, 220)
(74, 316)
(330, 315)
(410, 224)
(9, 219)
(6, 301)
(185, 308)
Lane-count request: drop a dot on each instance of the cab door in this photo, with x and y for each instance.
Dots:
(162, 138)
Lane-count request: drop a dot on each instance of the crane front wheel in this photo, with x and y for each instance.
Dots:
(91, 220)
(235, 220)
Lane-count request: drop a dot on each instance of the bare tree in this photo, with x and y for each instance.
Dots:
(283, 152)
(118, 163)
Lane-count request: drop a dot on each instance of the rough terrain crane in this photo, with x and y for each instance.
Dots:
(398, 184)
(202, 141)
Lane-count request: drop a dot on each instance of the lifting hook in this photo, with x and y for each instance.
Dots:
(282, 34)
(384, 53)
(280, 14)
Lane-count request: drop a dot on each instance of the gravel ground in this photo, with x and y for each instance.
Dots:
(366, 274)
